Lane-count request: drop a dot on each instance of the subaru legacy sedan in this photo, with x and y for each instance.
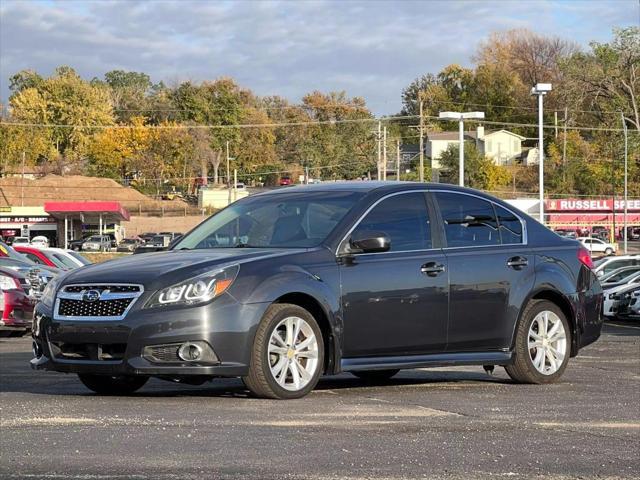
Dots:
(365, 277)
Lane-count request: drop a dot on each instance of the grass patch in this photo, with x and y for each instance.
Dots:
(98, 257)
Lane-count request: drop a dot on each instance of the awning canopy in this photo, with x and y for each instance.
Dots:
(88, 212)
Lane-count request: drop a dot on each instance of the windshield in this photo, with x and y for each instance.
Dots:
(95, 239)
(63, 261)
(294, 220)
(79, 257)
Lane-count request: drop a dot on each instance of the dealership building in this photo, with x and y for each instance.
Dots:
(60, 220)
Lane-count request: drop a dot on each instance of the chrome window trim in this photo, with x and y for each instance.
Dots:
(525, 237)
(366, 212)
(62, 294)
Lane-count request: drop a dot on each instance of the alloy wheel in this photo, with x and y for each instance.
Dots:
(293, 353)
(547, 342)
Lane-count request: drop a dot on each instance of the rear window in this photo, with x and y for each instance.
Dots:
(468, 221)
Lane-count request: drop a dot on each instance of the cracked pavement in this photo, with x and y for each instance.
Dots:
(453, 422)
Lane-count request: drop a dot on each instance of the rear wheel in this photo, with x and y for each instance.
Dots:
(608, 251)
(542, 346)
(113, 385)
(375, 375)
(288, 354)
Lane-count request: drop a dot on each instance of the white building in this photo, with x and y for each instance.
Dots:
(502, 146)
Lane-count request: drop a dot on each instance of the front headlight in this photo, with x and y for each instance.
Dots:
(200, 289)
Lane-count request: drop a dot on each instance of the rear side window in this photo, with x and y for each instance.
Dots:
(509, 225)
(468, 221)
(404, 218)
(34, 258)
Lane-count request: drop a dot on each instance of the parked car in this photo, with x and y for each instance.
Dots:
(70, 258)
(363, 277)
(156, 244)
(633, 308)
(607, 265)
(619, 276)
(76, 244)
(612, 296)
(147, 236)
(622, 299)
(16, 306)
(39, 241)
(284, 181)
(129, 245)
(97, 243)
(54, 257)
(596, 245)
(20, 241)
(172, 235)
(567, 233)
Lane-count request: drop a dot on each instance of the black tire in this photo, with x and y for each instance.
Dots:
(113, 385)
(373, 376)
(260, 380)
(523, 370)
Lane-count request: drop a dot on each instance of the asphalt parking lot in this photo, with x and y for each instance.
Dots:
(438, 423)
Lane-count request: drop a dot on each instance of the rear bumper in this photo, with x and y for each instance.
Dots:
(588, 307)
(17, 311)
(225, 325)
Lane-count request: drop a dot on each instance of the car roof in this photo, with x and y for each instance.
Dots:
(369, 186)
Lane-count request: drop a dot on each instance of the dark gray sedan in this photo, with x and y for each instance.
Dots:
(363, 277)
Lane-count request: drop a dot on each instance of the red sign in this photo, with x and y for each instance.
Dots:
(590, 205)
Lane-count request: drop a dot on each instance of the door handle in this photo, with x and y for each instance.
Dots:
(432, 269)
(517, 262)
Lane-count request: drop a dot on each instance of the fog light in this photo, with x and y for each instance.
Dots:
(190, 352)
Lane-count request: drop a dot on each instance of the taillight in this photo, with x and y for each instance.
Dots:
(585, 257)
(9, 283)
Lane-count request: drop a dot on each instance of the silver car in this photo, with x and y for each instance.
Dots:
(97, 243)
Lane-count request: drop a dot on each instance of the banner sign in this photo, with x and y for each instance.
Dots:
(584, 205)
(27, 220)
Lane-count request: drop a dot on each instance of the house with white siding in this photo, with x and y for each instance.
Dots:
(502, 146)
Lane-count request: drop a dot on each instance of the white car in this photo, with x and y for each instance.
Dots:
(605, 266)
(39, 241)
(69, 258)
(24, 241)
(597, 245)
(612, 296)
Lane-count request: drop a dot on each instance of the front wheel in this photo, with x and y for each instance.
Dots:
(542, 345)
(288, 354)
(113, 385)
(608, 252)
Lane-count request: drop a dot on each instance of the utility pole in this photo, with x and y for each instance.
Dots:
(541, 89)
(379, 137)
(398, 160)
(564, 145)
(235, 184)
(384, 157)
(555, 122)
(626, 175)
(421, 176)
(228, 174)
(306, 175)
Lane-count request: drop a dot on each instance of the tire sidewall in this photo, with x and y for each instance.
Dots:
(522, 342)
(270, 324)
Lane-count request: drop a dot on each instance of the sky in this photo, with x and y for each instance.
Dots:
(371, 49)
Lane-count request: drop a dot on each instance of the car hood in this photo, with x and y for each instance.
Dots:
(161, 269)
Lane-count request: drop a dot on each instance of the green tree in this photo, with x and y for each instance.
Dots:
(479, 171)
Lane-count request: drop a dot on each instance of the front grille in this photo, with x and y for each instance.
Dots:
(101, 308)
(94, 301)
(88, 351)
(101, 288)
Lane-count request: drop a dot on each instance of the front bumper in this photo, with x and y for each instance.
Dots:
(226, 326)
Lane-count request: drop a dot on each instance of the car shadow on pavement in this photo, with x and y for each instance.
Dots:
(17, 377)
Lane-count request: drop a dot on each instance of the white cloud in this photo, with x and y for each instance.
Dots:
(370, 49)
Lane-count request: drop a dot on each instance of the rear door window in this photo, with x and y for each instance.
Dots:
(468, 221)
(509, 226)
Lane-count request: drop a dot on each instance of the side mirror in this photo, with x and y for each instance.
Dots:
(369, 242)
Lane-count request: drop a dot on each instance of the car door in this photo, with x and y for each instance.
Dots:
(395, 302)
(491, 270)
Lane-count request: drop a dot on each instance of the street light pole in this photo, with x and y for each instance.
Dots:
(541, 90)
(461, 152)
(460, 118)
(626, 176)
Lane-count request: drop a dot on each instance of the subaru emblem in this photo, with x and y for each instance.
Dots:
(91, 296)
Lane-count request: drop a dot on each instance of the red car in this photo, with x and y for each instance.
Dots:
(38, 256)
(16, 307)
(284, 181)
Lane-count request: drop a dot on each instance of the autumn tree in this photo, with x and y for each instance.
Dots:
(479, 171)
